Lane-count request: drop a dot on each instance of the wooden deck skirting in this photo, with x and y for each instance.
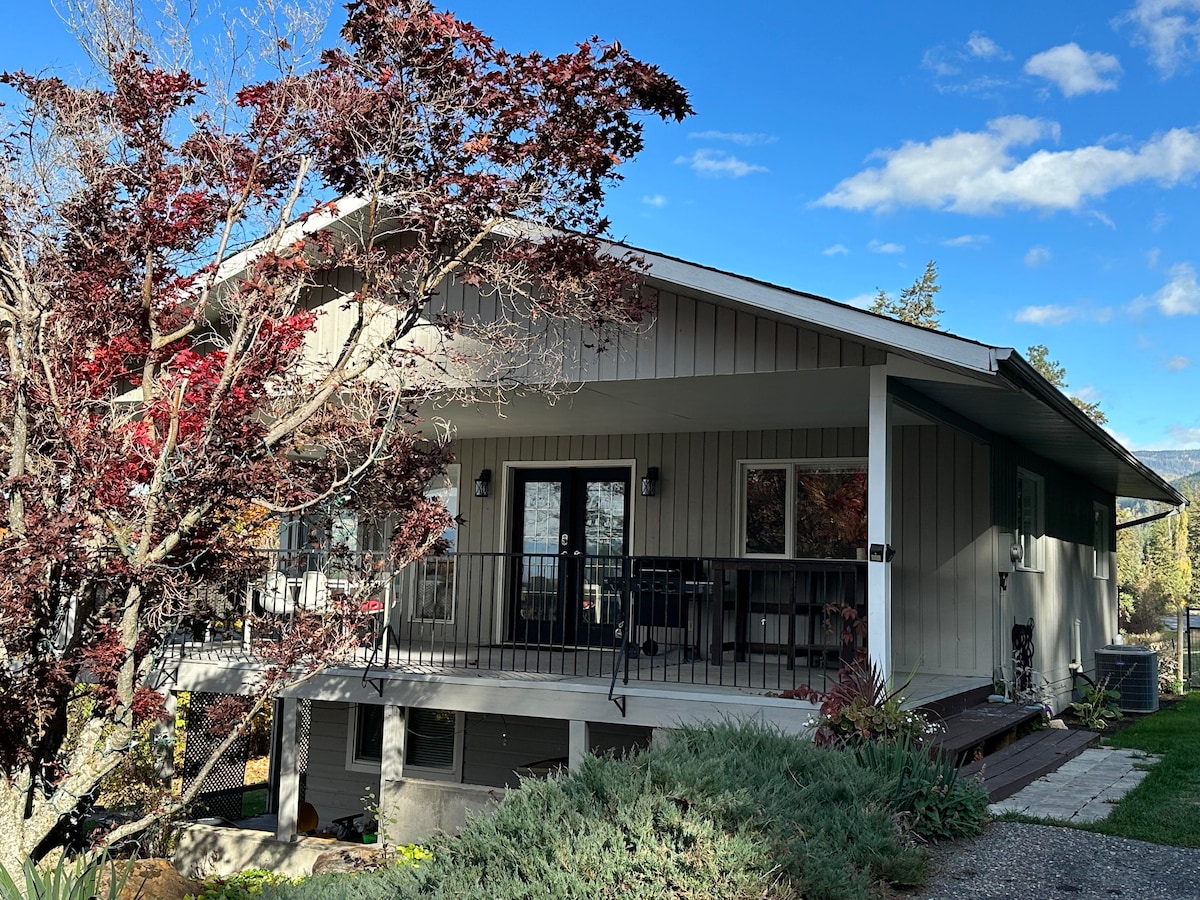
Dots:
(1026, 760)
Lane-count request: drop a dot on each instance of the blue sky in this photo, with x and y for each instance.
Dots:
(1045, 155)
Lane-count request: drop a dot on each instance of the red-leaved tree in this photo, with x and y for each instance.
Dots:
(164, 379)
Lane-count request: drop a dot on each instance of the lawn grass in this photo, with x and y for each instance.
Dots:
(1165, 807)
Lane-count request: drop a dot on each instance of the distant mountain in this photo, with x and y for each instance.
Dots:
(1171, 464)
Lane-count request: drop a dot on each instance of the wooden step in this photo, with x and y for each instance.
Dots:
(1021, 763)
(982, 729)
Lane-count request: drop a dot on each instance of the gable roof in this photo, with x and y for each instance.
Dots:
(1027, 408)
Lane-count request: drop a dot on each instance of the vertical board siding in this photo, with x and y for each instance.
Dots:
(941, 604)
(332, 789)
(496, 748)
(694, 511)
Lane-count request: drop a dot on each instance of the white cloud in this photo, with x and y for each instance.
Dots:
(1037, 256)
(718, 164)
(983, 47)
(966, 240)
(658, 201)
(885, 247)
(1088, 393)
(742, 138)
(1183, 437)
(1074, 70)
(1168, 29)
(935, 60)
(1053, 314)
(836, 250)
(1160, 221)
(1045, 315)
(1152, 256)
(1177, 363)
(974, 172)
(862, 301)
(1181, 295)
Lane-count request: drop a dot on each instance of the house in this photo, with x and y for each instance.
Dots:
(708, 519)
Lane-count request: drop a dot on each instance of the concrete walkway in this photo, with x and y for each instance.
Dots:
(1083, 789)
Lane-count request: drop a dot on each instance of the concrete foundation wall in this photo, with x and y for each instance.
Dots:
(414, 810)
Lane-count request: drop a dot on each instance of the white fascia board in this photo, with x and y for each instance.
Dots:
(346, 207)
(829, 314)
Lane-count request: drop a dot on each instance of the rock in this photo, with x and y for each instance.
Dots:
(150, 879)
(1059, 724)
(348, 859)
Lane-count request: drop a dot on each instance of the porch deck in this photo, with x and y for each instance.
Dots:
(756, 675)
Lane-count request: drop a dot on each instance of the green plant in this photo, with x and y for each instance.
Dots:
(242, 886)
(726, 812)
(861, 706)
(926, 789)
(78, 879)
(1097, 705)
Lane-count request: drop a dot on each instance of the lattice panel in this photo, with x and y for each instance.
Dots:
(221, 792)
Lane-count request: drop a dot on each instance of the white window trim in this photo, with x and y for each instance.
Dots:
(1101, 551)
(425, 773)
(790, 465)
(353, 762)
(453, 474)
(1038, 539)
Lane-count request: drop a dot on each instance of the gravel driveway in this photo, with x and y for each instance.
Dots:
(1014, 861)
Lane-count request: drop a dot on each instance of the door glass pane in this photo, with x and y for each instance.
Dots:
(831, 513)
(540, 531)
(604, 545)
(766, 510)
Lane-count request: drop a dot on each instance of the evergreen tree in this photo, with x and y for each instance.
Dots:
(915, 304)
(1055, 373)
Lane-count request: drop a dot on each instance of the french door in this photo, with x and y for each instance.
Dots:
(569, 534)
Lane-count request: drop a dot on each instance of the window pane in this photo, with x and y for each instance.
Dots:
(766, 511)
(430, 740)
(368, 735)
(1029, 513)
(831, 513)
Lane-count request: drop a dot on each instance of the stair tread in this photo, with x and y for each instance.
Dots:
(1026, 760)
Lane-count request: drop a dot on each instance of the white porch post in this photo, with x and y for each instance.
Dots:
(577, 744)
(391, 765)
(289, 777)
(879, 521)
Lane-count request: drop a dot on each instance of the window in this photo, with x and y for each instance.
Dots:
(435, 575)
(431, 739)
(809, 509)
(1031, 518)
(365, 751)
(1101, 546)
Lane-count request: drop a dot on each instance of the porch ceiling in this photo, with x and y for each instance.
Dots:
(823, 398)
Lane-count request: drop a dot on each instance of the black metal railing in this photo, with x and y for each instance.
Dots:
(771, 624)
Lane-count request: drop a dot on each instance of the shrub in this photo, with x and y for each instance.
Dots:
(721, 812)
(243, 886)
(862, 707)
(927, 788)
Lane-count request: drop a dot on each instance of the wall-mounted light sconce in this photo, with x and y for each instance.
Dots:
(483, 483)
(650, 482)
